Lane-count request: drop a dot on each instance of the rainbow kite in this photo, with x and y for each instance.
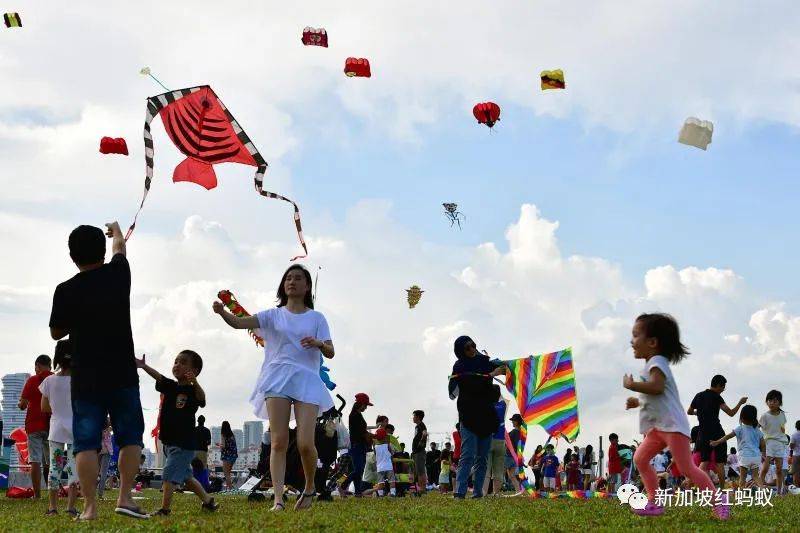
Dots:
(544, 389)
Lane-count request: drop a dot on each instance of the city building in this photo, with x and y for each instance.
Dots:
(253, 432)
(238, 434)
(216, 436)
(13, 416)
(149, 458)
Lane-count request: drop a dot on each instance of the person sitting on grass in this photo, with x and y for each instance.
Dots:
(145, 476)
(176, 429)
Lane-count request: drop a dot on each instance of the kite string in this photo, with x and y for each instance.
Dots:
(157, 81)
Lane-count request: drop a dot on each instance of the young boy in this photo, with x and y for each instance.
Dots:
(383, 460)
(418, 453)
(37, 423)
(614, 463)
(549, 469)
(178, 409)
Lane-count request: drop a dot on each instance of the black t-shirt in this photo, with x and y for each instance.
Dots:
(202, 438)
(177, 413)
(476, 396)
(419, 443)
(358, 428)
(94, 307)
(695, 435)
(707, 404)
(432, 457)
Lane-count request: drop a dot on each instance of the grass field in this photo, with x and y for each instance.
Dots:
(432, 512)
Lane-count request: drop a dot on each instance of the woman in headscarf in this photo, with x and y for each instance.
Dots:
(471, 383)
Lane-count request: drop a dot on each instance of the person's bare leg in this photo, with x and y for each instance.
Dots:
(278, 410)
(486, 482)
(128, 468)
(198, 489)
(763, 474)
(53, 503)
(721, 474)
(512, 474)
(226, 469)
(306, 416)
(166, 498)
(87, 466)
(72, 496)
(778, 474)
(36, 476)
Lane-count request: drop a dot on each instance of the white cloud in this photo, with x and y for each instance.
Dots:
(402, 357)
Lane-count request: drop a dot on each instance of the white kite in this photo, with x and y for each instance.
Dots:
(696, 132)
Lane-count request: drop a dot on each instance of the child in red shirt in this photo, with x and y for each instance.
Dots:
(37, 423)
(573, 473)
(614, 464)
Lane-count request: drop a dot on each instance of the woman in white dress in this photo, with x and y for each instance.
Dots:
(294, 337)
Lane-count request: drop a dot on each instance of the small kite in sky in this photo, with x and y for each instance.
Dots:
(204, 130)
(453, 214)
(414, 295)
(109, 145)
(315, 37)
(553, 79)
(696, 132)
(12, 20)
(486, 113)
(357, 67)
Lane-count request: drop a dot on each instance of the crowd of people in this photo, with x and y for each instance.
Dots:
(72, 413)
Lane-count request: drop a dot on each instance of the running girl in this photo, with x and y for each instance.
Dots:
(656, 339)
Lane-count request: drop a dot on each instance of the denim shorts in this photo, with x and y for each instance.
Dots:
(38, 451)
(178, 465)
(271, 394)
(89, 418)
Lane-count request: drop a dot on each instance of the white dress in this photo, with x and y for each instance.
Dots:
(288, 368)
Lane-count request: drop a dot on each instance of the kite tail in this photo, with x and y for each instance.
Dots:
(152, 111)
(259, 182)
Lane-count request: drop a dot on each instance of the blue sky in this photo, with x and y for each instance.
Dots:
(661, 202)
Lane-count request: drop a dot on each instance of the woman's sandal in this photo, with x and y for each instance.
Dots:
(278, 507)
(301, 501)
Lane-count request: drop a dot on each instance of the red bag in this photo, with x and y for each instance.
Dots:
(19, 492)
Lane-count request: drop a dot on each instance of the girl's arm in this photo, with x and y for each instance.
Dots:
(726, 438)
(655, 385)
(245, 322)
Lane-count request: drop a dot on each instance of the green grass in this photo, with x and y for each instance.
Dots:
(431, 512)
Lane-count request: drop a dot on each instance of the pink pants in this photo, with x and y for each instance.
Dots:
(678, 444)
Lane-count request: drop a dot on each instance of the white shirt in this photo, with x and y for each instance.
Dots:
(733, 461)
(658, 462)
(662, 411)
(57, 391)
(794, 443)
(288, 368)
(383, 457)
(773, 426)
